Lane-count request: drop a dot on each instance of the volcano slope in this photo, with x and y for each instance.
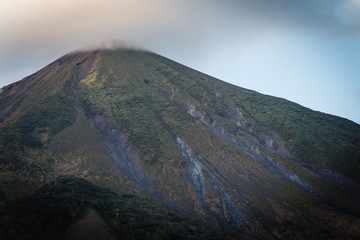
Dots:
(126, 144)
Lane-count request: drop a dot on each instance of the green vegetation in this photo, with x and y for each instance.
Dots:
(23, 142)
(314, 139)
(36, 127)
(48, 212)
(48, 130)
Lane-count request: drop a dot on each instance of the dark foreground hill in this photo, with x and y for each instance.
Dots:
(124, 144)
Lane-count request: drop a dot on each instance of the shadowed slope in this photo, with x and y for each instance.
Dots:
(233, 159)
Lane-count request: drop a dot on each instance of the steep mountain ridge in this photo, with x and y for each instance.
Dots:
(241, 163)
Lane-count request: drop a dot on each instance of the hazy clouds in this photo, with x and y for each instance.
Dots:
(189, 30)
(42, 24)
(284, 38)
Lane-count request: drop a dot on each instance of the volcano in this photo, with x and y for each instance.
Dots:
(127, 144)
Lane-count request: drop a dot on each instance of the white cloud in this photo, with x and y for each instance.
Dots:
(42, 23)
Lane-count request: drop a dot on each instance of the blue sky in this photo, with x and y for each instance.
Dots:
(306, 51)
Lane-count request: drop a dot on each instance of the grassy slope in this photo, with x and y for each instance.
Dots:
(30, 111)
(137, 103)
(313, 138)
(132, 101)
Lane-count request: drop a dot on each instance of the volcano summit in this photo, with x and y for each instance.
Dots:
(127, 144)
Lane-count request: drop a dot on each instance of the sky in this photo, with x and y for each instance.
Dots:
(306, 51)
